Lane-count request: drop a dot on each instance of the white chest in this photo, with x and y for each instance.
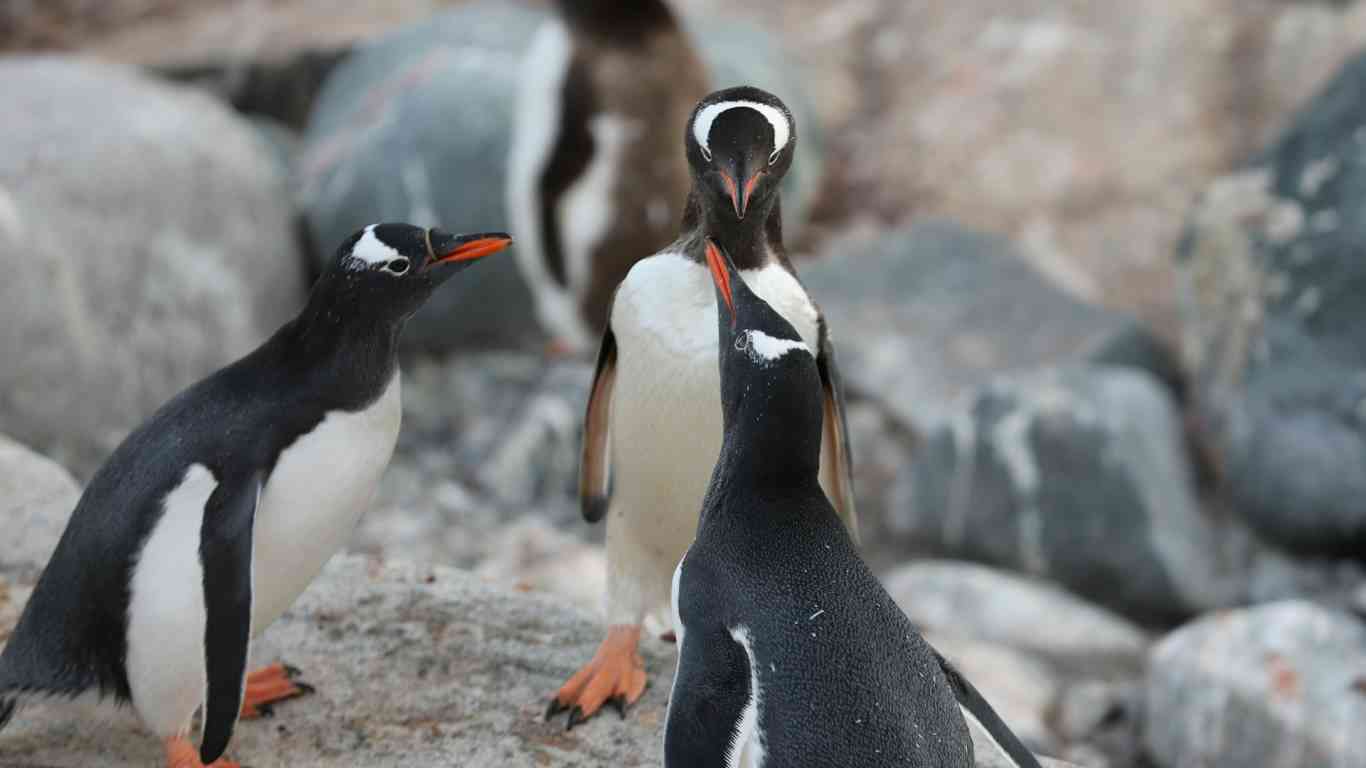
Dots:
(666, 409)
(309, 506)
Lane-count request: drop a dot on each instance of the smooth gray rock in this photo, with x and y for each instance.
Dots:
(416, 125)
(1101, 722)
(413, 666)
(145, 234)
(1272, 282)
(1282, 684)
(37, 496)
(1027, 614)
(923, 314)
(1077, 475)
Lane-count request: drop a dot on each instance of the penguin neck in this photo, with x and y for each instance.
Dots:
(772, 438)
(751, 242)
(355, 356)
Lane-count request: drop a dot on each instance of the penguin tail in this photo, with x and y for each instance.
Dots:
(972, 702)
(7, 706)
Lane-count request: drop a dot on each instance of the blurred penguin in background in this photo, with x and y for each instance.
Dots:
(595, 179)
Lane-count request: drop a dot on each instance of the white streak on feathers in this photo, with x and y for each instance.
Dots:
(747, 745)
(371, 250)
(764, 348)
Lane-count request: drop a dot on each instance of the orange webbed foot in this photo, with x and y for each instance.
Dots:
(268, 686)
(616, 675)
(180, 753)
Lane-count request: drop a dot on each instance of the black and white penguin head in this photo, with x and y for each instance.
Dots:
(769, 376)
(394, 268)
(740, 143)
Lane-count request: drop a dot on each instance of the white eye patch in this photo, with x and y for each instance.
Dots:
(782, 129)
(765, 349)
(372, 250)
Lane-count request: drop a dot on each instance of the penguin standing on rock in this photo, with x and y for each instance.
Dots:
(594, 185)
(212, 517)
(791, 653)
(653, 425)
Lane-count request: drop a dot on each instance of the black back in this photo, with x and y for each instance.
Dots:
(844, 677)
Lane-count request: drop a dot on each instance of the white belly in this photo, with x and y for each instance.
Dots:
(310, 504)
(666, 417)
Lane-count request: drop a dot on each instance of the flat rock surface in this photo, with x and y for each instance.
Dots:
(414, 666)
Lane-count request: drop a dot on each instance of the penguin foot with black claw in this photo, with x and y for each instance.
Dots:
(180, 753)
(615, 676)
(271, 685)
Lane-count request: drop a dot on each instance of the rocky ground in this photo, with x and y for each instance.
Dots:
(1091, 267)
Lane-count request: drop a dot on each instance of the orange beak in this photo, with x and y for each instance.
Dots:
(471, 247)
(721, 276)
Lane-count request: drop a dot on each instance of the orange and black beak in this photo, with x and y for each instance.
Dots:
(719, 264)
(740, 184)
(445, 248)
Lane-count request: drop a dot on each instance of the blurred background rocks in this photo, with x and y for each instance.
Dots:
(1092, 268)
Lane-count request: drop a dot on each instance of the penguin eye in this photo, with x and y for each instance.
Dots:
(397, 266)
(706, 153)
(742, 342)
(773, 158)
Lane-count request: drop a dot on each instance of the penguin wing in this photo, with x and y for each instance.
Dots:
(595, 468)
(225, 550)
(976, 707)
(836, 462)
(707, 704)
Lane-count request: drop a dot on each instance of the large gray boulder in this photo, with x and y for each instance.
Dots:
(985, 604)
(923, 314)
(145, 235)
(1281, 685)
(1272, 285)
(413, 666)
(416, 125)
(37, 496)
(1077, 475)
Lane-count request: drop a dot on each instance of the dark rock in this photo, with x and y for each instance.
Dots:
(416, 126)
(1272, 685)
(1077, 475)
(141, 256)
(1008, 609)
(921, 315)
(1272, 285)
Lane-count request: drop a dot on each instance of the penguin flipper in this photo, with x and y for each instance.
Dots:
(595, 469)
(837, 463)
(225, 550)
(972, 702)
(711, 689)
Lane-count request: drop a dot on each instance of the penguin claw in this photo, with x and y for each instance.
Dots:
(270, 685)
(555, 707)
(619, 704)
(575, 717)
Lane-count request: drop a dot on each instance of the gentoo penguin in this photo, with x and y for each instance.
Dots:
(594, 180)
(790, 652)
(212, 517)
(653, 424)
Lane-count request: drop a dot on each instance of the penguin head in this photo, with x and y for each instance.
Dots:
(740, 143)
(770, 385)
(393, 268)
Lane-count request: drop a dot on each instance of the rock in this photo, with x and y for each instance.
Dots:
(1273, 320)
(1101, 722)
(1019, 612)
(488, 439)
(36, 499)
(1279, 684)
(415, 126)
(1077, 475)
(920, 315)
(530, 554)
(1020, 688)
(152, 250)
(413, 666)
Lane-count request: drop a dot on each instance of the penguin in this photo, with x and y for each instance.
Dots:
(208, 521)
(790, 651)
(593, 181)
(653, 423)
